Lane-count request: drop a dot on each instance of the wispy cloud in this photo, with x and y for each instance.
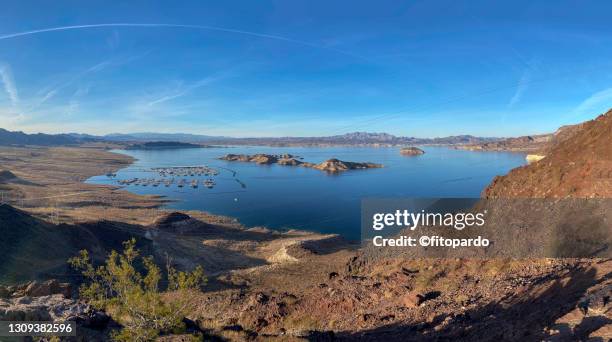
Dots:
(183, 90)
(51, 93)
(179, 26)
(6, 76)
(55, 90)
(74, 104)
(529, 68)
(595, 103)
(521, 88)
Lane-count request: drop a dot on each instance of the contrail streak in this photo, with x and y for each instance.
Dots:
(6, 78)
(185, 26)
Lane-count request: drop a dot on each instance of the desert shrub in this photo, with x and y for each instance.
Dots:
(134, 298)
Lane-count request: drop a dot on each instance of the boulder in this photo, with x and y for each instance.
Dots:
(261, 298)
(47, 288)
(37, 289)
(25, 313)
(411, 300)
(44, 308)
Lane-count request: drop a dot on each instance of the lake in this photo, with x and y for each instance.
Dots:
(284, 197)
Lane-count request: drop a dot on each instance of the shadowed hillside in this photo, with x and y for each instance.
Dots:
(36, 249)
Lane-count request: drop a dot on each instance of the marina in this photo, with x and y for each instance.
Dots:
(181, 176)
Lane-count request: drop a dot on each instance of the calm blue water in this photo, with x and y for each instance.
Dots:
(283, 197)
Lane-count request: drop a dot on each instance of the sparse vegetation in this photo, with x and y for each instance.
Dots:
(134, 298)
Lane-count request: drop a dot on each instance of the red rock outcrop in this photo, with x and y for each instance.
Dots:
(579, 165)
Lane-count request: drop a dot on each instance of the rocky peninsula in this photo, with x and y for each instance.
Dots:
(331, 165)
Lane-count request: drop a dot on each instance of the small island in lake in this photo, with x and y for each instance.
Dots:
(162, 145)
(411, 151)
(335, 165)
(260, 158)
(330, 165)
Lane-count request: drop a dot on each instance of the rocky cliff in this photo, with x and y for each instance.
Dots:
(578, 163)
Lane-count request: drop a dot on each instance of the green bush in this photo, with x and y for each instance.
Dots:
(134, 299)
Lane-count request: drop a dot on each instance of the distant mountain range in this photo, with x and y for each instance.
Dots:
(41, 139)
(148, 136)
(355, 139)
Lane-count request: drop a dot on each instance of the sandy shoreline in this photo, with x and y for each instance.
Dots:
(50, 184)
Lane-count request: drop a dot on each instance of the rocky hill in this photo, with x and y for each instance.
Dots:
(538, 144)
(335, 165)
(528, 143)
(48, 246)
(578, 163)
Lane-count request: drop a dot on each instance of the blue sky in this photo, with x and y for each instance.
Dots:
(304, 68)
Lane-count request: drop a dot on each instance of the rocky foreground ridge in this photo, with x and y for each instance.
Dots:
(52, 301)
(578, 164)
(331, 165)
